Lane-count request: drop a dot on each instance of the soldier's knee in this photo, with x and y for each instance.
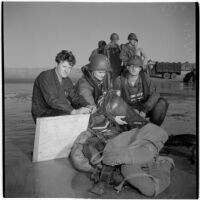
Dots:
(158, 113)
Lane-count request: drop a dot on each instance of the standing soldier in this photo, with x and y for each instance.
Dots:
(112, 51)
(99, 50)
(131, 48)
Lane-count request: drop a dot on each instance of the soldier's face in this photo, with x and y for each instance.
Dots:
(133, 42)
(134, 70)
(99, 74)
(64, 69)
(115, 41)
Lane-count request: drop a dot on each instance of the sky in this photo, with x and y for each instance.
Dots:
(35, 32)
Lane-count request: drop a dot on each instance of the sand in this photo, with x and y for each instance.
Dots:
(57, 178)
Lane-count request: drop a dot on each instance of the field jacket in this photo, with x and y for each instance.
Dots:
(113, 52)
(148, 90)
(90, 88)
(49, 94)
(128, 51)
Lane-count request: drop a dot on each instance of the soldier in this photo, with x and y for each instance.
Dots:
(140, 92)
(94, 81)
(99, 50)
(131, 48)
(54, 93)
(112, 51)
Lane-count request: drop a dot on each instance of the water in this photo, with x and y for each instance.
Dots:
(18, 120)
(57, 178)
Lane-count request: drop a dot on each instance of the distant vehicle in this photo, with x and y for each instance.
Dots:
(166, 69)
(190, 77)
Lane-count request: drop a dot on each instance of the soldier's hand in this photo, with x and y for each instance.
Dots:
(82, 110)
(119, 120)
(137, 111)
(143, 114)
(92, 108)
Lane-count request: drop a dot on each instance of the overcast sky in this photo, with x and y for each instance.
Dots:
(35, 32)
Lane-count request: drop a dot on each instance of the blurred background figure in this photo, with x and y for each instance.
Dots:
(131, 49)
(112, 51)
(99, 50)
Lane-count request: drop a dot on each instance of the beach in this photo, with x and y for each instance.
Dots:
(57, 178)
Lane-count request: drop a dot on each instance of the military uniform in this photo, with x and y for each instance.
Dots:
(112, 51)
(89, 87)
(50, 97)
(143, 96)
(95, 52)
(128, 50)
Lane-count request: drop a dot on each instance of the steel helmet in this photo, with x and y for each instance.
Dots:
(99, 62)
(135, 60)
(101, 43)
(132, 36)
(114, 36)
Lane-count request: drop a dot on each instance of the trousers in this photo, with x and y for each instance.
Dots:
(159, 111)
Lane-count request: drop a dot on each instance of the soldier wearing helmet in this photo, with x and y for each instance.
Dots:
(131, 48)
(99, 50)
(140, 92)
(112, 51)
(95, 79)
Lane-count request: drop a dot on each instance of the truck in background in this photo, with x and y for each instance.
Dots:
(166, 69)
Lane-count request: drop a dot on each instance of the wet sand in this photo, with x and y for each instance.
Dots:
(57, 178)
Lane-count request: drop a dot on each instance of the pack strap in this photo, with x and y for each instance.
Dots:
(95, 160)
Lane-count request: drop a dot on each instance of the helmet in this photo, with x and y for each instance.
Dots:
(101, 43)
(135, 60)
(114, 36)
(132, 36)
(99, 62)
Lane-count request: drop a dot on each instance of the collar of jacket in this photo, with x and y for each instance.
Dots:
(58, 75)
(97, 86)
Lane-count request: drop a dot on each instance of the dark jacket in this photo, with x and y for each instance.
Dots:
(113, 52)
(95, 52)
(90, 88)
(150, 94)
(49, 94)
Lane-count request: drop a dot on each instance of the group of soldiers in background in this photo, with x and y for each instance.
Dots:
(119, 54)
